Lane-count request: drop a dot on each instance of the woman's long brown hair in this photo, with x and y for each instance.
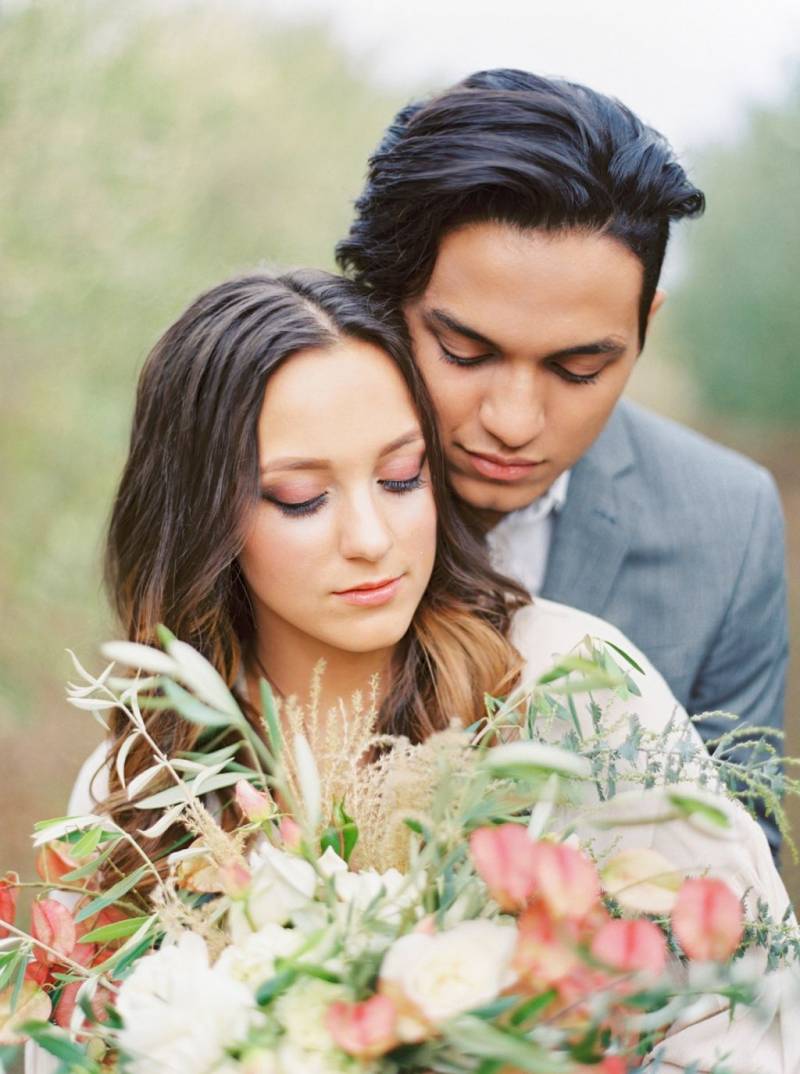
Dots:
(192, 476)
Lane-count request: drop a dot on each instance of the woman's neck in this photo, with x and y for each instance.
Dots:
(288, 659)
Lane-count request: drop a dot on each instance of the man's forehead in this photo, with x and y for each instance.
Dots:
(505, 286)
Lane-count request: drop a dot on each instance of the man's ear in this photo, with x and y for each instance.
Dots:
(659, 298)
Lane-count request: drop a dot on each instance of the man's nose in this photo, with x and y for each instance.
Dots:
(364, 532)
(513, 410)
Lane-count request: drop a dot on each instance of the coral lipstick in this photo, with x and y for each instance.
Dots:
(371, 594)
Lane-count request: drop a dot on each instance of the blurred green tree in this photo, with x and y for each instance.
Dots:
(735, 319)
(145, 156)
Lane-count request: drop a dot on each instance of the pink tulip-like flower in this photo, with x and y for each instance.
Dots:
(9, 893)
(503, 858)
(236, 879)
(37, 972)
(612, 1064)
(516, 869)
(707, 919)
(631, 946)
(290, 832)
(255, 805)
(65, 1006)
(547, 950)
(367, 1029)
(54, 860)
(52, 924)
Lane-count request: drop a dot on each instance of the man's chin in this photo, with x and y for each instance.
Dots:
(485, 496)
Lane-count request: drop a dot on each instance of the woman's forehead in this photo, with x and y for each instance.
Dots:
(333, 403)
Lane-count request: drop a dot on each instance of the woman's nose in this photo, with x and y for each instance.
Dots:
(364, 530)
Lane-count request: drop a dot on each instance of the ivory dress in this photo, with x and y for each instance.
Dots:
(543, 631)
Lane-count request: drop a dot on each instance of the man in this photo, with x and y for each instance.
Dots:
(521, 223)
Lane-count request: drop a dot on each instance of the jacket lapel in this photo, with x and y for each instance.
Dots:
(592, 532)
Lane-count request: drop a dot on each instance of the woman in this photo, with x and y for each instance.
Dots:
(284, 500)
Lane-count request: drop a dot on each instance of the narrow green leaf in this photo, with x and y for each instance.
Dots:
(40, 825)
(624, 655)
(179, 793)
(270, 717)
(91, 866)
(224, 754)
(532, 1007)
(88, 843)
(120, 963)
(493, 1010)
(112, 895)
(10, 966)
(194, 710)
(689, 805)
(566, 666)
(272, 988)
(165, 636)
(115, 930)
(62, 1048)
(485, 1041)
(19, 980)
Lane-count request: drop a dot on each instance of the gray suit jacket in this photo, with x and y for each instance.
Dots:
(679, 543)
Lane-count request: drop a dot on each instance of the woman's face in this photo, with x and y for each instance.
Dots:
(341, 545)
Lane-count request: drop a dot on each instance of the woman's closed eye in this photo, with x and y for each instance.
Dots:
(295, 499)
(403, 475)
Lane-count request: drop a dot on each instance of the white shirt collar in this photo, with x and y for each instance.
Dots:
(549, 502)
(519, 545)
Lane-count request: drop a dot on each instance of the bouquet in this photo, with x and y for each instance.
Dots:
(461, 905)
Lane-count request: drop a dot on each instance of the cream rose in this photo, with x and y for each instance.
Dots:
(450, 972)
(282, 884)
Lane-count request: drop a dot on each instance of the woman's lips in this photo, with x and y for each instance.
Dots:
(499, 469)
(371, 594)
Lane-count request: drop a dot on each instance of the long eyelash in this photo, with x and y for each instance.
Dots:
(297, 510)
(577, 378)
(454, 359)
(408, 485)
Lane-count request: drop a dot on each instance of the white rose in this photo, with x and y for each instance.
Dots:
(330, 863)
(253, 960)
(361, 889)
(179, 1013)
(454, 971)
(282, 883)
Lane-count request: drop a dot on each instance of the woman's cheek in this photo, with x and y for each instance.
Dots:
(419, 529)
(281, 550)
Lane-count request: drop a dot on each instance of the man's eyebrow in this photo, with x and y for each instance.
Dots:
(609, 345)
(447, 320)
(296, 463)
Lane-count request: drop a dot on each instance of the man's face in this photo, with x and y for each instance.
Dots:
(525, 340)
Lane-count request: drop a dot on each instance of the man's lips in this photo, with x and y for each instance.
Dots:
(371, 593)
(501, 467)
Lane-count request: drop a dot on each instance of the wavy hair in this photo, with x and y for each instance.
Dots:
(192, 475)
(512, 147)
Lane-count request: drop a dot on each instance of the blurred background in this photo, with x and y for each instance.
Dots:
(148, 150)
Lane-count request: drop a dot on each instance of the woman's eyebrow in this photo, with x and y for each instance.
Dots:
(294, 462)
(407, 438)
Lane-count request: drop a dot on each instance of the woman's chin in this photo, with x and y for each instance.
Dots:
(368, 633)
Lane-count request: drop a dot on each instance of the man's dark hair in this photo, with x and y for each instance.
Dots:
(516, 148)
